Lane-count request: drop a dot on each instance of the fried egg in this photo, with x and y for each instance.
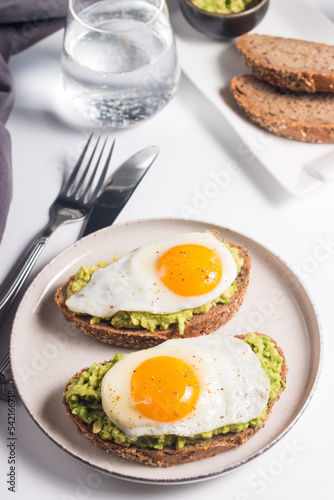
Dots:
(165, 276)
(185, 387)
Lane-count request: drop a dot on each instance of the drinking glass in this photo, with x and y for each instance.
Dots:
(119, 60)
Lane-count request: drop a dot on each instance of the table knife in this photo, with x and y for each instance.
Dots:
(119, 189)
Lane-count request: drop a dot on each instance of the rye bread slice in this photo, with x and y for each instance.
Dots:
(289, 63)
(299, 116)
(168, 455)
(199, 324)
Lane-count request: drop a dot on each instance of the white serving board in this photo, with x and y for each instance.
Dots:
(298, 167)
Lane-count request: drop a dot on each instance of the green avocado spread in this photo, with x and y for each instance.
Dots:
(150, 321)
(225, 6)
(84, 398)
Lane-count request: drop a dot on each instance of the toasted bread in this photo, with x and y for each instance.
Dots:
(199, 324)
(289, 63)
(168, 455)
(299, 116)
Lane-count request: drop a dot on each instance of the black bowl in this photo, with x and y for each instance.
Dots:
(223, 26)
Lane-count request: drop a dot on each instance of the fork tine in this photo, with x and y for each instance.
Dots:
(103, 174)
(73, 175)
(89, 183)
(84, 175)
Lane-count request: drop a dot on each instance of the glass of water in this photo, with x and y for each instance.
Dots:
(119, 59)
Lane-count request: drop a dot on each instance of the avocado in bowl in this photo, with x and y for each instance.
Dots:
(224, 19)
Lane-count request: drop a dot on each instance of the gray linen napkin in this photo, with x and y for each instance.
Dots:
(22, 23)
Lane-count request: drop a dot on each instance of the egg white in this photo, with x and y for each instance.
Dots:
(132, 283)
(234, 387)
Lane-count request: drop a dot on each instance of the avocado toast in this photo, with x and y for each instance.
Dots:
(82, 400)
(142, 330)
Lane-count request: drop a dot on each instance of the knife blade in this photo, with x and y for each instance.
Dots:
(119, 189)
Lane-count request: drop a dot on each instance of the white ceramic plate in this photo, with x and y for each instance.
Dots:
(46, 351)
(299, 167)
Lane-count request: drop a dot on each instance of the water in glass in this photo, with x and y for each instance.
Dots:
(119, 60)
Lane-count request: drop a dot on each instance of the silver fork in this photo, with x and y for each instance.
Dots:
(72, 204)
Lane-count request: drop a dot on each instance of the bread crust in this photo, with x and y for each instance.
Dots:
(169, 456)
(310, 81)
(280, 124)
(199, 324)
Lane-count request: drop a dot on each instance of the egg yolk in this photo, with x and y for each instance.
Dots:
(190, 270)
(164, 389)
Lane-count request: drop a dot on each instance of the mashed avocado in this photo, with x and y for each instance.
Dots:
(225, 6)
(149, 321)
(84, 398)
(83, 276)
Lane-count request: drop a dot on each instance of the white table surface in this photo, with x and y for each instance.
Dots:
(194, 143)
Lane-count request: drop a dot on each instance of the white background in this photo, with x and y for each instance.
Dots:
(194, 143)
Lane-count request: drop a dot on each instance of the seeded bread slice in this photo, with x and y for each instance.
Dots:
(302, 117)
(199, 324)
(289, 63)
(168, 455)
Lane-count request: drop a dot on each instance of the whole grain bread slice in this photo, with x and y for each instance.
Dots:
(298, 116)
(199, 324)
(289, 63)
(168, 455)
